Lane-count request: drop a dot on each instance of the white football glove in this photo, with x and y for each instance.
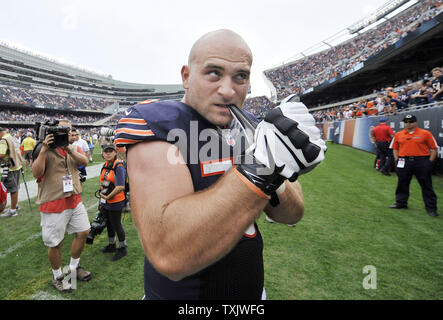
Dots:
(288, 134)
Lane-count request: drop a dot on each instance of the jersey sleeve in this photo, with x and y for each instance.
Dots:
(432, 144)
(150, 122)
(133, 128)
(394, 143)
(120, 175)
(391, 131)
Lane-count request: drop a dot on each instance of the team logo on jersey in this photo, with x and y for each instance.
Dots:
(230, 139)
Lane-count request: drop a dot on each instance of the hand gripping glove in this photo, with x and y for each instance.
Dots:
(286, 144)
(288, 132)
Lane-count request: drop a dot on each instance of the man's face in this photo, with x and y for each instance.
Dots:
(74, 135)
(436, 73)
(217, 78)
(410, 125)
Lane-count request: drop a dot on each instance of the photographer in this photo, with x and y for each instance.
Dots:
(113, 201)
(11, 163)
(59, 195)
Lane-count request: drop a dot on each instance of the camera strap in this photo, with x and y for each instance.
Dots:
(66, 163)
(109, 168)
(67, 180)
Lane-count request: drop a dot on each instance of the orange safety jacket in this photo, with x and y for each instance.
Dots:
(108, 174)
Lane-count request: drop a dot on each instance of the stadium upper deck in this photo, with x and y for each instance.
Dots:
(302, 76)
(19, 68)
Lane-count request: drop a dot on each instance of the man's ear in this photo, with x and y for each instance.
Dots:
(185, 76)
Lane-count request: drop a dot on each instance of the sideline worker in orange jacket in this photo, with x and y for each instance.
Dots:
(414, 151)
(113, 200)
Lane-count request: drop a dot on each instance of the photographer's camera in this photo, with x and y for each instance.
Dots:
(99, 222)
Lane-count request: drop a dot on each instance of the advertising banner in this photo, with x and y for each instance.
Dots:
(357, 133)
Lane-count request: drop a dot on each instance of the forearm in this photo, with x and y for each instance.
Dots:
(433, 155)
(198, 229)
(116, 190)
(291, 207)
(79, 158)
(395, 153)
(39, 165)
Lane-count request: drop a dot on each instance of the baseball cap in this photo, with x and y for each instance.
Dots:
(410, 117)
(108, 146)
(383, 120)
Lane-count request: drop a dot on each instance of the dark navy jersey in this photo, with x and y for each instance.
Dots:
(437, 84)
(209, 152)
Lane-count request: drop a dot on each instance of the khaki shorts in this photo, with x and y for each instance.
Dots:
(12, 182)
(54, 225)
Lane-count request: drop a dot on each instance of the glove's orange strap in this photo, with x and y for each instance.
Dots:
(251, 186)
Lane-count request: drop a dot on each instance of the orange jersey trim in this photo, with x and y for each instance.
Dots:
(251, 186)
(125, 141)
(132, 121)
(135, 132)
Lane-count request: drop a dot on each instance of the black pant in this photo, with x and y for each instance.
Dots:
(421, 167)
(114, 224)
(386, 156)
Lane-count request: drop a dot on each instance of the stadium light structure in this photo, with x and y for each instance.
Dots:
(380, 13)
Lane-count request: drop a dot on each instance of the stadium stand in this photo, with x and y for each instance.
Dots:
(258, 106)
(33, 88)
(303, 75)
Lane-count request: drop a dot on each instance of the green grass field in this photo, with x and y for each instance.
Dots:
(347, 226)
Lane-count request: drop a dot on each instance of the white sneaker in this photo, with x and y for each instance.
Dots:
(8, 214)
(61, 284)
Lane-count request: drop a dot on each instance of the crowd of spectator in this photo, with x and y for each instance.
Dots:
(258, 106)
(39, 116)
(385, 102)
(29, 96)
(313, 70)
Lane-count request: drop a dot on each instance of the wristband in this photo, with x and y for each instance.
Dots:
(260, 176)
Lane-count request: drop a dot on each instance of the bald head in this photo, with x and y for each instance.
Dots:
(217, 75)
(218, 41)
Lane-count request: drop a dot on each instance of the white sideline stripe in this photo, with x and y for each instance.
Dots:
(32, 237)
(42, 295)
(19, 245)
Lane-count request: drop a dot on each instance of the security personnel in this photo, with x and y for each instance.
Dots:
(383, 135)
(414, 151)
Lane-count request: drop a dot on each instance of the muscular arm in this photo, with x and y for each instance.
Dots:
(183, 231)
(39, 164)
(79, 158)
(291, 207)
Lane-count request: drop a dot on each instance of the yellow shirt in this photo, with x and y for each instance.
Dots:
(28, 144)
(4, 150)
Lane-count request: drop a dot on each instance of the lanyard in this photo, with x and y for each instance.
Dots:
(66, 163)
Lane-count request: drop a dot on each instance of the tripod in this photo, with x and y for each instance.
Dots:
(26, 187)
